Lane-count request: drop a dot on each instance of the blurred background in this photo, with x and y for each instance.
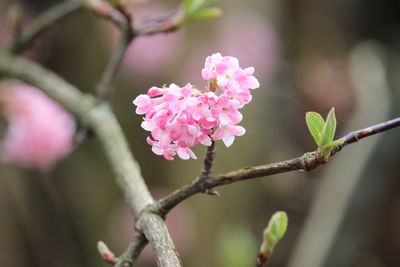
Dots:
(308, 55)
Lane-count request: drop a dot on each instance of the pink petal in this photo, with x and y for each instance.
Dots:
(186, 91)
(228, 138)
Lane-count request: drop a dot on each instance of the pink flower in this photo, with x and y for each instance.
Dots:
(182, 117)
(227, 133)
(219, 68)
(177, 97)
(226, 111)
(143, 103)
(40, 132)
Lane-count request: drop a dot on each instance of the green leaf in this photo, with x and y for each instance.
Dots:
(328, 132)
(197, 9)
(334, 143)
(188, 4)
(326, 149)
(315, 124)
(274, 232)
(207, 13)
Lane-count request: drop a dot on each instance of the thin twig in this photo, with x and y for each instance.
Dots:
(104, 87)
(208, 163)
(360, 134)
(162, 23)
(128, 258)
(44, 21)
(157, 24)
(306, 162)
(208, 160)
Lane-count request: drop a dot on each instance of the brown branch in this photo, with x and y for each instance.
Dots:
(105, 10)
(104, 87)
(104, 123)
(127, 35)
(360, 134)
(44, 21)
(208, 160)
(162, 23)
(306, 162)
(128, 258)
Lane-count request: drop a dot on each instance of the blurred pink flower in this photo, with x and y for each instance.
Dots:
(40, 132)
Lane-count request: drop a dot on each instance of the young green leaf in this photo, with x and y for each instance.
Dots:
(197, 9)
(274, 232)
(315, 124)
(334, 143)
(328, 132)
(188, 3)
(207, 13)
(326, 149)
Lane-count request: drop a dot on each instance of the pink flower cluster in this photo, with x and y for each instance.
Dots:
(182, 117)
(39, 133)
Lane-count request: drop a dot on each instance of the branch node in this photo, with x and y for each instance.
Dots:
(212, 192)
(312, 160)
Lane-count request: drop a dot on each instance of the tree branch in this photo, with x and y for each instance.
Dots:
(163, 23)
(44, 21)
(103, 122)
(360, 134)
(307, 162)
(133, 251)
(104, 87)
(157, 24)
(127, 35)
(208, 160)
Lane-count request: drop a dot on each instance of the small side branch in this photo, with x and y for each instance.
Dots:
(128, 258)
(363, 133)
(309, 161)
(42, 23)
(163, 23)
(208, 160)
(104, 87)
